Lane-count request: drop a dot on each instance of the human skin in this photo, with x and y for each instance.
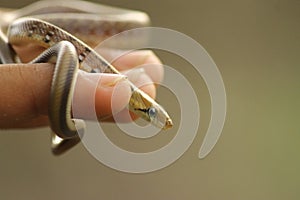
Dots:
(25, 89)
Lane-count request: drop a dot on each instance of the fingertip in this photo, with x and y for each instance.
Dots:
(142, 80)
(154, 68)
(111, 96)
(147, 59)
(99, 95)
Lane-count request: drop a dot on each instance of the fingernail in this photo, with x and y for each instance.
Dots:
(135, 74)
(105, 79)
(117, 78)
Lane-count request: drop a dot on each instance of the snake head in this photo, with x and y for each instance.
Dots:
(145, 107)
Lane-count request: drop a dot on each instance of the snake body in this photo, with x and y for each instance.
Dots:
(73, 54)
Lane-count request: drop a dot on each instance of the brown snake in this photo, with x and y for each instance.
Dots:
(74, 19)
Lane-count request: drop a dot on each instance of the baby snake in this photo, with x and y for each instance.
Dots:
(35, 25)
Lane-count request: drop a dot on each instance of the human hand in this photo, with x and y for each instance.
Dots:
(25, 89)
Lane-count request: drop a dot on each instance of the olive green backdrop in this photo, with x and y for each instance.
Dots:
(256, 45)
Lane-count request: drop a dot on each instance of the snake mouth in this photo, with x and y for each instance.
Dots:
(168, 124)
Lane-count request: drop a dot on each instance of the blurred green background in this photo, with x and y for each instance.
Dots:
(256, 45)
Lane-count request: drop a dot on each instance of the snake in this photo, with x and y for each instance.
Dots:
(68, 31)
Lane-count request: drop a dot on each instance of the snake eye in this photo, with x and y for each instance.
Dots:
(152, 113)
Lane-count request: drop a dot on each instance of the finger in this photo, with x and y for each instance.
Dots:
(103, 109)
(124, 61)
(99, 95)
(25, 90)
(24, 94)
